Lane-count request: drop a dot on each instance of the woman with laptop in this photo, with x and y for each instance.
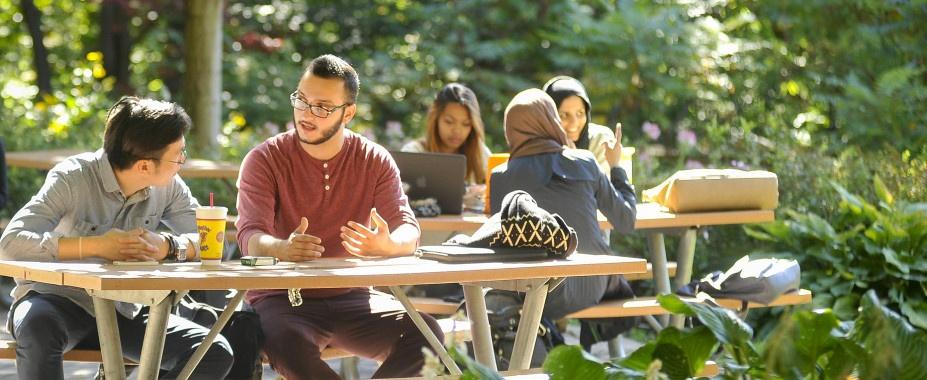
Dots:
(454, 125)
(568, 182)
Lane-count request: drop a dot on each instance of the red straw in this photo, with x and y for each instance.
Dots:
(210, 199)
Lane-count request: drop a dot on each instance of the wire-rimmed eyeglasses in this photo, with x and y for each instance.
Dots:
(318, 111)
(182, 161)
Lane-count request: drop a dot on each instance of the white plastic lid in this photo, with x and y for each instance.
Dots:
(211, 212)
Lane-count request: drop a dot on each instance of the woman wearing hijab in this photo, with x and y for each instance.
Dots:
(573, 107)
(568, 182)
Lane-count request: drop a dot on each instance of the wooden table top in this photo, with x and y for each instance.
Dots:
(47, 159)
(649, 216)
(323, 273)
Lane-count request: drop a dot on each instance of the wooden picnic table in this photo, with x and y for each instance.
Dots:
(157, 286)
(193, 168)
(654, 221)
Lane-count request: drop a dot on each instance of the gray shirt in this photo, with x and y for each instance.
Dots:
(570, 183)
(81, 197)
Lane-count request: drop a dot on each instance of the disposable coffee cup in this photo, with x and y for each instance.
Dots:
(210, 222)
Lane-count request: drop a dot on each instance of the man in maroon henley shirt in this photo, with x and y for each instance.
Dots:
(320, 190)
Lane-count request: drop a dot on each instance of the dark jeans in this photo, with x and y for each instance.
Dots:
(365, 323)
(46, 326)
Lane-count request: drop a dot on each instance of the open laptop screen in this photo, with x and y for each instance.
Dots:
(434, 175)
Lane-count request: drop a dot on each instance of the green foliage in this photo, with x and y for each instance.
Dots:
(677, 363)
(895, 348)
(878, 246)
(808, 345)
(811, 341)
(571, 362)
(471, 369)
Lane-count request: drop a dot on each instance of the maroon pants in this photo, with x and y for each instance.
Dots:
(366, 323)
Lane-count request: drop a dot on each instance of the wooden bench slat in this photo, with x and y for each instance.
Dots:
(649, 306)
(710, 370)
(459, 331)
(8, 351)
(437, 306)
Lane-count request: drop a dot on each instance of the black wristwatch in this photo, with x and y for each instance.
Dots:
(176, 249)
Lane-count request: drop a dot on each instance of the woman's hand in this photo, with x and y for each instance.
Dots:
(613, 153)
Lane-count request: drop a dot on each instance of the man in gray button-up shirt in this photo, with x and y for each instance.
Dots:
(99, 207)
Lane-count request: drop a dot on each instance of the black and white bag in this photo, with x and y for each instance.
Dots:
(759, 280)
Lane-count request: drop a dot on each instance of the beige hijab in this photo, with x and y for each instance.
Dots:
(532, 125)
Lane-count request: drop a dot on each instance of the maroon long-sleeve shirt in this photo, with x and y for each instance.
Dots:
(279, 183)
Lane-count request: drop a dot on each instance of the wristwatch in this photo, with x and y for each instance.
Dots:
(176, 248)
(181, 247)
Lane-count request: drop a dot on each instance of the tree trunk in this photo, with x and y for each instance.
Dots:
(202, 81)
(116, 43)
(39, 53)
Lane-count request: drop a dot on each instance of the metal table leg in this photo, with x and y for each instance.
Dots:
(685, 256)
(479, 326)
(528, 325)
(426, 331)
(213, 332)
(660, 271)
(153, 345)
(110, 345)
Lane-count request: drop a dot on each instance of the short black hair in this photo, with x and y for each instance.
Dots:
(329, 67)
(139, 129)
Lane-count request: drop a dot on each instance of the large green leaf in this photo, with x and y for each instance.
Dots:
(916, 312)
(724, 324)
(813, 338)
(845, 307)
(844, 358)
(674, 304)
(896, 350)
(696, 345)
(676, 364)
(641, 358)
(571, 362)
(682, 354)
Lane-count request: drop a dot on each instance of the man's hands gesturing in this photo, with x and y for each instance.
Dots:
(372, 240)
(300, 246)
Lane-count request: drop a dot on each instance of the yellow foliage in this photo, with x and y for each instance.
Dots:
(94, 56)
(98, 71)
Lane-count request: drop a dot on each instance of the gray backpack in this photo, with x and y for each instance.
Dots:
(759, 280)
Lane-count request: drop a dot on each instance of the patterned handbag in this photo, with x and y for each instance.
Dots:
(521, 223)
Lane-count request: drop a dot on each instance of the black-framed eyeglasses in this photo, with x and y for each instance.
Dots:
(183, 160)
(318, 111)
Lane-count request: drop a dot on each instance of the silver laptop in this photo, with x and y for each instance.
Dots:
(434, 175)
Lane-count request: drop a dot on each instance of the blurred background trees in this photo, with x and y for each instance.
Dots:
(814, 90)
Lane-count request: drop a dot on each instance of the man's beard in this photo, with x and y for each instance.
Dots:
(326, 134)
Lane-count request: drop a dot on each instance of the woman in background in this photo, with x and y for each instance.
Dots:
(454, 125)
(567, 182)
(573, 106)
